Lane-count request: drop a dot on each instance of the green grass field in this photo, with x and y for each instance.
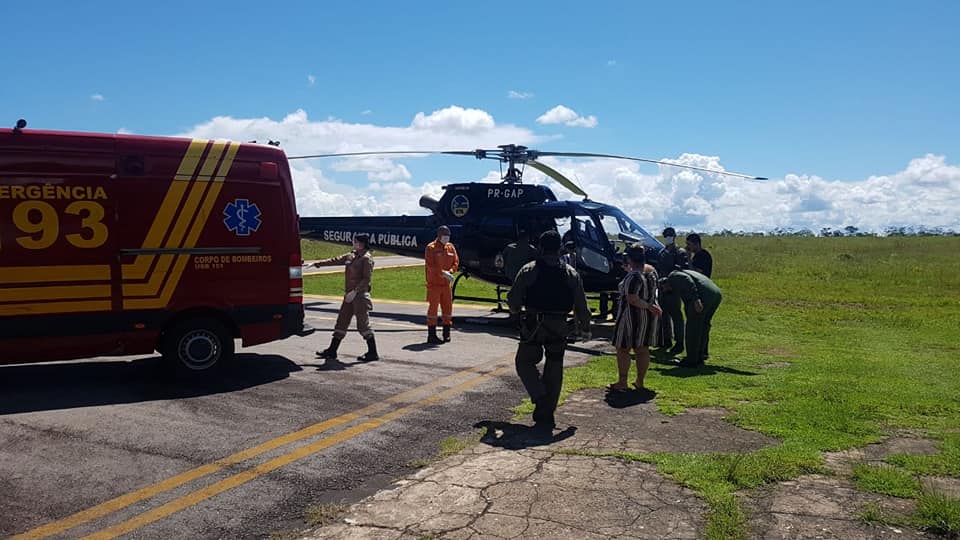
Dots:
(825, 344)
(314, 249)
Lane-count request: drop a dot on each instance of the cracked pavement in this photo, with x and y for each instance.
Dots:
(490, 492)
(521, 483)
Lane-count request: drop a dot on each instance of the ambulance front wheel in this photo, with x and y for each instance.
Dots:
(196, 347)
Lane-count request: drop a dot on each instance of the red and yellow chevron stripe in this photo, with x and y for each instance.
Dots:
(150, 280)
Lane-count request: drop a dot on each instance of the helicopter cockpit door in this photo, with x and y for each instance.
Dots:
(587, 238)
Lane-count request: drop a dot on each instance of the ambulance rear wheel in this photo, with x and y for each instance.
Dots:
(196, 347)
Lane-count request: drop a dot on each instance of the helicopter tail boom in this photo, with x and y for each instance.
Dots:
(404, 235)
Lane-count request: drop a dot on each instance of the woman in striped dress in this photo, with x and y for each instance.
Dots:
(638, 318)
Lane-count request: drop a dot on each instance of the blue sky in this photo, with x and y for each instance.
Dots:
(833, 92)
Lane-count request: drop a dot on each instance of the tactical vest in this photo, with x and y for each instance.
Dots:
(550, 292)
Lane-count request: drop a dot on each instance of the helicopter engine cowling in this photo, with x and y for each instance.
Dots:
(429, 203)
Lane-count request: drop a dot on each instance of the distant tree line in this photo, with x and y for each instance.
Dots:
(849, 230)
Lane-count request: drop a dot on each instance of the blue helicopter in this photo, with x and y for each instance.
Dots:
(484, 218)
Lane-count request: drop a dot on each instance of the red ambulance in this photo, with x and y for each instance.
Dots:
(120, 245)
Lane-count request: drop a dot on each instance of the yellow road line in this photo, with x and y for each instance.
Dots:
(239, 479)
(123, 501)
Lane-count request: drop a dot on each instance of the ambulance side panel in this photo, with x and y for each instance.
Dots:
(107, 242)
(58, 265)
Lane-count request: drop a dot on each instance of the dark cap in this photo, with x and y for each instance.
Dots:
(550, 242)
(636, 254)
(363, 238)
(443, 228)
(669, 232)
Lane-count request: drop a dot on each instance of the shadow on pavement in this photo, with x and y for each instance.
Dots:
(422, 346)
(491, 324)
(518, 436)
(629, 398)
(337, 365)
(45, 387)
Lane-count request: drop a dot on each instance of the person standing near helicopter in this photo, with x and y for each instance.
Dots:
(358, 270)
(440, 263)
(547, 290)
(669, 259)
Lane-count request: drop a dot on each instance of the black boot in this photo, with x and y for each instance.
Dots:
(432, 338)
(446, 333)
(543, 414)
(330, 353)
(371, 355)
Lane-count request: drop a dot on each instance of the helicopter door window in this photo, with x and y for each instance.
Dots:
(585, 229)
(594, 260)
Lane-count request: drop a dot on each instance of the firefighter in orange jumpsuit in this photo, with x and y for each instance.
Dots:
(441, 263)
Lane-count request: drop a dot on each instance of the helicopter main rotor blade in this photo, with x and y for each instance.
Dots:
(553, 173)
(385, 153)
(645, 160)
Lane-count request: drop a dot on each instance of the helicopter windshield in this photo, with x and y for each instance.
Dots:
(620, 230)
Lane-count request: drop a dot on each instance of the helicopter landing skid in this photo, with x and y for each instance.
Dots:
(499, 301)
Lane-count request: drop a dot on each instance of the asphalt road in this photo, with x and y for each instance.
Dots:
(105, 448)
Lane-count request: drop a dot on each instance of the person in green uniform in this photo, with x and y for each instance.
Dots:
(701, 298)
(546, 290)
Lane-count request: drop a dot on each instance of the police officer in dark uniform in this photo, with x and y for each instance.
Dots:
(700, 260)
(547, 290)
(669, 259)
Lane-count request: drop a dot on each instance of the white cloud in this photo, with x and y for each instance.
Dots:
(455, 119)
(377, 168)
(311, 80)
(97, 97)
(513, 94)
(124, 131)
(452, 128)
(366, 112)
(925, 193)
(566, 116)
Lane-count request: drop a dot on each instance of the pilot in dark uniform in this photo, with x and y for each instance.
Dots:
(547, 290)
(669, 259)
